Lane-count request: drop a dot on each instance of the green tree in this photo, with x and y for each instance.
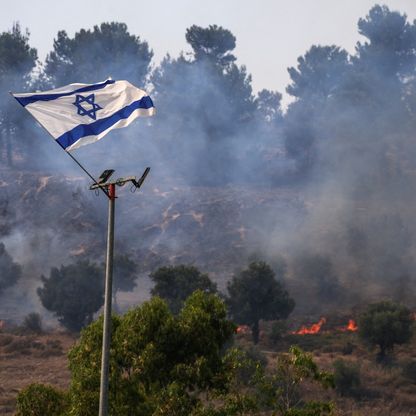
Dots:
(318, 76)
(383, 65)
(159, 362)
(385, 324)
(319, 72)
(17, 60)
(74, 293)
(213, 43)
(175, 283)
(255, 294)
(269, 108)
(219, 104)
(93, 55)
(389, 42)
(10, 272)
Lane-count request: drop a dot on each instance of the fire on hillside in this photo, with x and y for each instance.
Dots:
(316, 327)
(313, 329)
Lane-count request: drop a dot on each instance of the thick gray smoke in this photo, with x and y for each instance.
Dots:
(327, 186)
(355, 154)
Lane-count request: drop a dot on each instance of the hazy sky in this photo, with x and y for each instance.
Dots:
(270, 34)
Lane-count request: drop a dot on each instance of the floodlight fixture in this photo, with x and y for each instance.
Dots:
(105, 176)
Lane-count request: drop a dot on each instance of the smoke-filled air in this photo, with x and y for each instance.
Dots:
(323, 190)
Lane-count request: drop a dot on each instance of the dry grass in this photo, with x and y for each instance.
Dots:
(26, 359)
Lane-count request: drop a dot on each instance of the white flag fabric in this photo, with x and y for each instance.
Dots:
(80, 114)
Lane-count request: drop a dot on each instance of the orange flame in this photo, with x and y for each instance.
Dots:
(352, 326)
(313, 329)
(243, 329)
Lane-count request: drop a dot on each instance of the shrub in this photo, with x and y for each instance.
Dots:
(283, 387)
(33, 323)
(40, 400)
(347, 378)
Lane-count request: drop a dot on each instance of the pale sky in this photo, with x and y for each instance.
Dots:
(271, 35)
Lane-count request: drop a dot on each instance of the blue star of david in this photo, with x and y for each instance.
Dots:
(90, 108)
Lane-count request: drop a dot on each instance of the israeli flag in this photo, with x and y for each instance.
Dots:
(80, 114)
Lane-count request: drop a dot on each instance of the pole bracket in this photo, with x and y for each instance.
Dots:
(104, 183)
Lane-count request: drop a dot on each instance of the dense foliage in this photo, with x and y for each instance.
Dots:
(158, 361)
(221, 105)
(17, 60)
(175, 283)
(94, 55)
(74, 293)
(40, 400)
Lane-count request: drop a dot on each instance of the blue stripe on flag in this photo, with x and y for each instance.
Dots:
(97, 127)
(24, 101)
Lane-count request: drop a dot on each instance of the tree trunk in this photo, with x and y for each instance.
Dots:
(255, 332)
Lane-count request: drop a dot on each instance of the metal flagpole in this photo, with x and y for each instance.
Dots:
(110, 188)
(105, 355)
